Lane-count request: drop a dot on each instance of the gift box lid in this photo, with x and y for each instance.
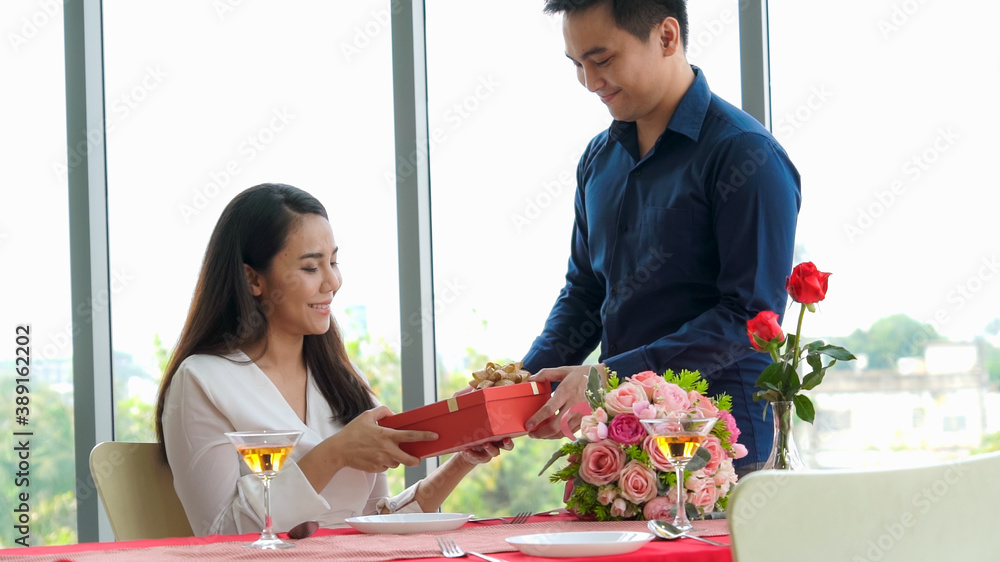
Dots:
(465, 401)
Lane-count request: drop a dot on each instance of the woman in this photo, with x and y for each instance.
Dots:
(259, 350)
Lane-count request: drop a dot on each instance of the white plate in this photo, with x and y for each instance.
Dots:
(569, 545)
(402, 523)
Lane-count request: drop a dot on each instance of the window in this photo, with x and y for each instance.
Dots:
(205, 100)
(714, 45)
(509, 122)
(953, 423)
(893, 139)
(35, 320)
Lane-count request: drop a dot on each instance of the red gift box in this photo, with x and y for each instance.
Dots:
(481, 416)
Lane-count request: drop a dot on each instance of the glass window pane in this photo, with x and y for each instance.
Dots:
(205, 100)
(714, 45)
(893, 137)
(34, 248)
(509, 122)
(512, 121)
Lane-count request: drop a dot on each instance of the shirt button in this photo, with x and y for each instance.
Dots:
(637, 173)
(625, 228)
(614, 348)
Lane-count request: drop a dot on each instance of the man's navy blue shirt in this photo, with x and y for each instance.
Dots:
(673, 252)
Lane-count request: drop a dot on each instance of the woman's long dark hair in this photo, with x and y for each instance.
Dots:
(224, 315)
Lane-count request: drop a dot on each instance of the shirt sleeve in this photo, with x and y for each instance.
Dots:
(754, 225)
(573, 328)
(381, 502)
(218, 492)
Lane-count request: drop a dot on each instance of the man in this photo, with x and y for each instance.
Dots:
(685, 222)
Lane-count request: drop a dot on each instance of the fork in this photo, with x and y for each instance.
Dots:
(518, 518)
(450, 549)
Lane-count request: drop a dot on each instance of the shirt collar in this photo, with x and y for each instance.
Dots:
(687, 118)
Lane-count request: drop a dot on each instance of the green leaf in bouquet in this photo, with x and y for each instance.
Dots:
(761, 343)
(555, 456)
(804, 408)
(814, 378)
(815, 361)
(662, 487)
(566, 449)
(794, 384)
(789, 343)
(637, 453)
(595, 392)
(813, 346)
(613, 380)
(691, 510)
(724, 402)
(699, 460)
(836, 352)
(769, 395)
(774, 374)
(687, 380)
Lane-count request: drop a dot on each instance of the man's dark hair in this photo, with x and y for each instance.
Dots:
(634, 16)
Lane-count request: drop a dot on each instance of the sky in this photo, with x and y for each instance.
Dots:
(886, 108)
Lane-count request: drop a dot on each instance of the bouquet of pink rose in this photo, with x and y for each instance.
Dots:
(616, 471)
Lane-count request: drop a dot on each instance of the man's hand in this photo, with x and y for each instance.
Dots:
(571, 391)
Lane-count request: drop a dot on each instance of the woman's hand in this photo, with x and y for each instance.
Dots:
(366, 446)
(483, 454)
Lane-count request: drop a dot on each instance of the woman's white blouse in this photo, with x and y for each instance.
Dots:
(210, 395)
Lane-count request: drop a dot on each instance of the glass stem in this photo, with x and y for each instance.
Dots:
(680, 517)
(268, 532)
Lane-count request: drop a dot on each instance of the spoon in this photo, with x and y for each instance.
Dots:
(667, 531)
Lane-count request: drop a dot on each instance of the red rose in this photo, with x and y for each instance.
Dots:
(765, 326)
(806, 284)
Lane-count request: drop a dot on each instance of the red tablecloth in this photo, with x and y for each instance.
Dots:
(348, 544)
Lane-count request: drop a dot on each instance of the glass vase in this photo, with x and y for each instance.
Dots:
(784, 454)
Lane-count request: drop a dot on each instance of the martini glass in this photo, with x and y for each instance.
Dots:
(679, 437)
(265, 452)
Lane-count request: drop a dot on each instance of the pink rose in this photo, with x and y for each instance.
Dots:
(739, 450)
(648, 380)
(714, 448)
(656, 456)
(703, 405)
(619, 508)
(705, 498)
(592, 429)
(644, 410)
(622, 399)
(637, 482)
(601, 462)
(658, 508)
(606, 495)
(568, 491)
(671, 398)
(601, 415)
(725, 477)
(730, 421)
(626, 429)
(696, 481)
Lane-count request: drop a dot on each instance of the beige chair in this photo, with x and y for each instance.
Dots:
(944, 512)
(137, 489)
